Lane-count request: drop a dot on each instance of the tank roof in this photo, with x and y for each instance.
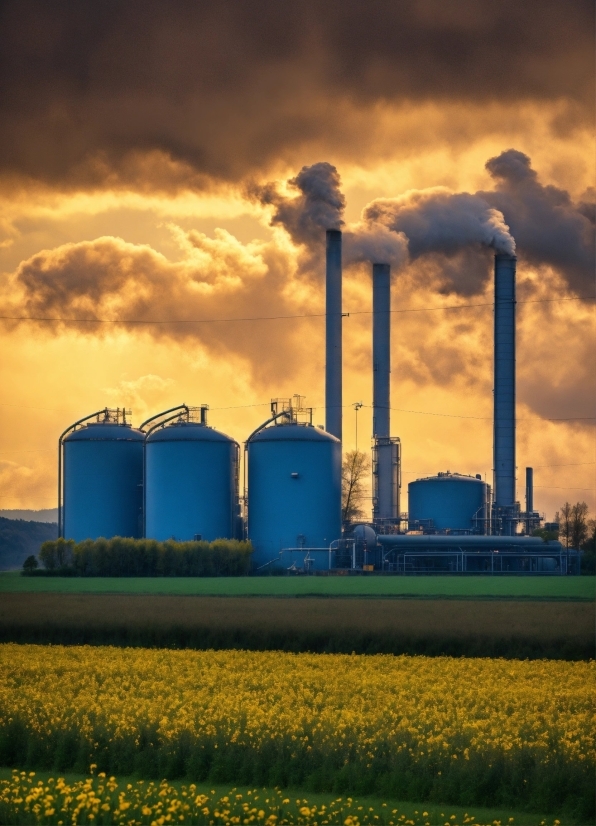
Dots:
(293, 432)
(447, 476)
(105, 431)
(181, 431)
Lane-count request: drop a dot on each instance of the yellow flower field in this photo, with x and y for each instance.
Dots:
(466, 730)
(103, 800)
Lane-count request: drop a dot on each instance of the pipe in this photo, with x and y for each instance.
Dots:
(467, 541)
(504, 390)
(529, 489)
(333, 344)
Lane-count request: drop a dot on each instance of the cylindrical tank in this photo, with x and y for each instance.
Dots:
(191, 483)
(103, 479)
(448, 502)
(294, 494)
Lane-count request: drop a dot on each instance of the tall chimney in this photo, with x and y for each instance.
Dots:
(381, 276)
(386, 456)
(333, 362)
(504, 393)
(529, 489)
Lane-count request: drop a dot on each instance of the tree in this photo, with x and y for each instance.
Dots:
(356, 466)
(565, 524)
(579, 524)
(30, 564)
(589, 545)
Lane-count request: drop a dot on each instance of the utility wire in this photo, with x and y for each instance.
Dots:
(273, 317)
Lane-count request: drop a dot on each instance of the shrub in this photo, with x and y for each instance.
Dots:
(122, 556)
(30, 564)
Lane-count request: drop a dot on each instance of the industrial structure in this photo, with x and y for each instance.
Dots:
(191, 477)
(177, 478)
(294, 489)
(386, 456)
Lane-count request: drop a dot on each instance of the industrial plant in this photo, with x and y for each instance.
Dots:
(177, 478)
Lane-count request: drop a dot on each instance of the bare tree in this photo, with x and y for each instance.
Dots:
(579, 524)
(590, 544)
(565, 524)
(356, 466)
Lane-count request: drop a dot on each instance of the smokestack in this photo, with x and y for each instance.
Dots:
(381, 276)
(386, 456)
(529, 489)
(333, 361)
(504, 392)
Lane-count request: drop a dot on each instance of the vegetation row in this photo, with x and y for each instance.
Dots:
(463, 732)
(122, 556)
(27, 799)
(205, 637)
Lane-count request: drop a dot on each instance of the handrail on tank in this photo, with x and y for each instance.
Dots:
(60, 463)
(163, 413)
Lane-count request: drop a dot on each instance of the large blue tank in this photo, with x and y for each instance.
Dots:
(191, 483)
(294, 495)
(103, 478)
(449, 501)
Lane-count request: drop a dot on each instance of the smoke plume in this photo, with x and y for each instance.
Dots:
(548, 226)
(440, 221)
(318, 205)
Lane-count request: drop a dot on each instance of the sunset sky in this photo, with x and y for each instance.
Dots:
(149, 154)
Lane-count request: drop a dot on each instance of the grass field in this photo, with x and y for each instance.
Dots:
(523, 587)
(519, 628)
(436, 815)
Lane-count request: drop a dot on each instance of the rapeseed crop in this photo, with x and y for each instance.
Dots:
(469, 731)
(103, 800)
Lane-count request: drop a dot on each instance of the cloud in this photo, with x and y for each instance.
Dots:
(140, 394)
(180, 94)
(22, 486)
(218, 278)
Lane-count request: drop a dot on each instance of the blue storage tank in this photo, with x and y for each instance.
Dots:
(103, 476)
(294, 495)
(449, 501)
(191, 482)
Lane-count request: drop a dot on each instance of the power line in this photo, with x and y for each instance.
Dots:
(274, 317)
(552, 487)
(569, 464)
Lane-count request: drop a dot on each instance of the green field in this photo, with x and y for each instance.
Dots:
(437, 815)
(328, 586)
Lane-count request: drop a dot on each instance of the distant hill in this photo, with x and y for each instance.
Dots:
(20, 539)
(46, 515)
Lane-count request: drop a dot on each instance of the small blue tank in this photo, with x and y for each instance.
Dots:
(449, 501)
(294, 495)
(191, 482)
(103, 478)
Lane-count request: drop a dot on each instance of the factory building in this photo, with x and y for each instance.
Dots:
(176, 477)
